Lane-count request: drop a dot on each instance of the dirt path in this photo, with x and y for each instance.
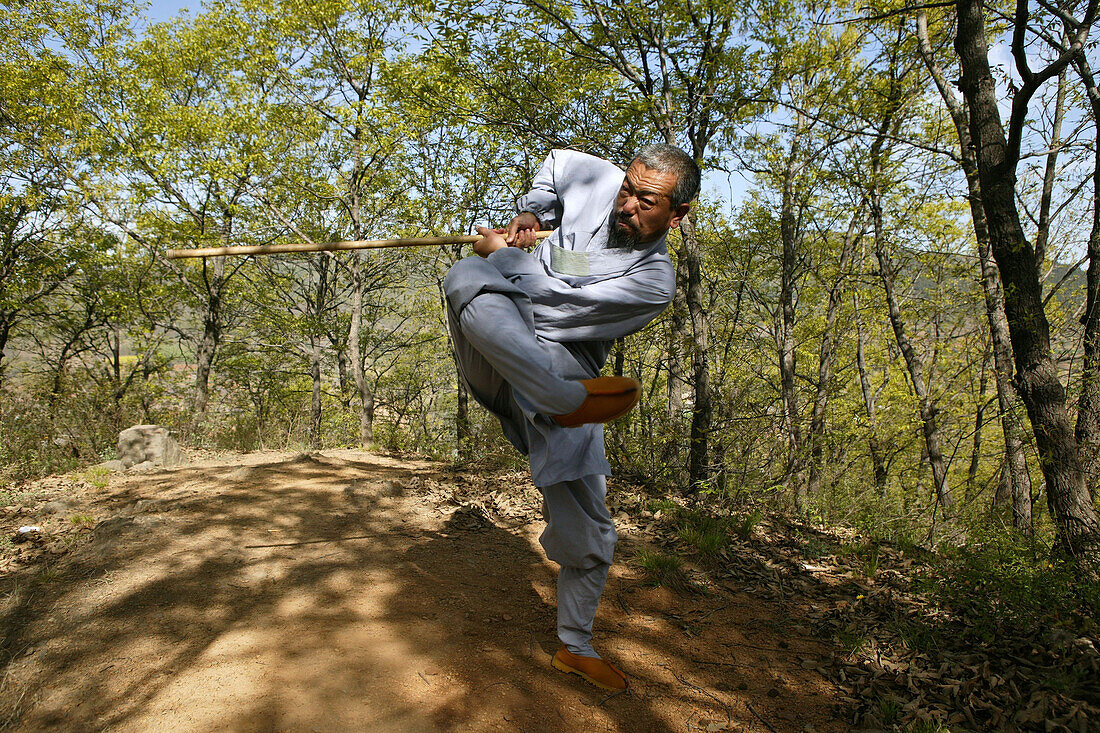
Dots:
(346, 591)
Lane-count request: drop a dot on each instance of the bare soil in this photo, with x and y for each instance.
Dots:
(348, 591)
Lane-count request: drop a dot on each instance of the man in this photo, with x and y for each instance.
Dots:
(531, 332)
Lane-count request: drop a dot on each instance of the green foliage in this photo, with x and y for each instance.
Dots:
(48, 575)
(263, 120)
(815, 548)
(928, 726)
(38, 439)
(666, 507)
(851, 639)
(1003, 581)
(865, 553)
(888, 708)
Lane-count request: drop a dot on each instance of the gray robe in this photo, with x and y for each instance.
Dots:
(577, 294)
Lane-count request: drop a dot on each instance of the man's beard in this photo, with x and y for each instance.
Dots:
(623, 237)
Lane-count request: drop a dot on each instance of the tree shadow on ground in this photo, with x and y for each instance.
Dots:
(352, 592)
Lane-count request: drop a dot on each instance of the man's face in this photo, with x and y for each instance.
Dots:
(643, 209)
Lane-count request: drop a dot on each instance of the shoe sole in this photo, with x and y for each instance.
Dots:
(637, 394)
(563, 667)
(633, 391)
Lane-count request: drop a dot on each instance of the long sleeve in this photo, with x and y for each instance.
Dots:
(542, 200)
(563, 185)
(601, 310)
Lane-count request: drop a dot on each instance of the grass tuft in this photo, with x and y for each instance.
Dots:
(1006, 582)
(663, 571)
(707, 534)
(97, 476)
(748, 522)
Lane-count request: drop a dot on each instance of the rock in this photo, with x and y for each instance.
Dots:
(58, 506)
(110, 528)
(115, 466)
(148, 521)
(148, 444)
(145, 506)
(143, 467)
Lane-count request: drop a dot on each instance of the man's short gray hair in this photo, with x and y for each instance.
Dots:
(671, 159)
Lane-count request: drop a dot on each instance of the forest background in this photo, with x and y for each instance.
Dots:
(886, 314)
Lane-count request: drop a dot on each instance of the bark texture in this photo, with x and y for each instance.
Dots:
(1087, 429)
(1015, 489)
(701, 409)
(790, 234)
(1036, 371)
(870, 404)
(827, 352)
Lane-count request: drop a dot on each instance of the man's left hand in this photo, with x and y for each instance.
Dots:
(491, 240)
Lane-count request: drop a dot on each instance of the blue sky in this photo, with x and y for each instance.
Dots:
(164, 9)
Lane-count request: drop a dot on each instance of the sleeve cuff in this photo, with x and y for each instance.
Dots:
(541, 213)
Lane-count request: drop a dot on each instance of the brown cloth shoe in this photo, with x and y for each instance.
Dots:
(608, 398)
(596, 671)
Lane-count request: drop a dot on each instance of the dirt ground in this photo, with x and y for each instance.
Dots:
(347, 591)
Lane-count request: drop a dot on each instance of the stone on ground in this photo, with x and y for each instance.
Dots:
(148, 444)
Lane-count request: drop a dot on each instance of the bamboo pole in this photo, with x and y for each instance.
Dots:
(269, 249)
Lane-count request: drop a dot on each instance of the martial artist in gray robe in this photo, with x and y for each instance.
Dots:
(527, 326)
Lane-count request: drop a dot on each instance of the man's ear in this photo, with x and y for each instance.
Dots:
(678, 214)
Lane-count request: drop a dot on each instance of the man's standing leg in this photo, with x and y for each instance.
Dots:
(580, 537)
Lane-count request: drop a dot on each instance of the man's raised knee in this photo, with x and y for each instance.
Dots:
(466, 279)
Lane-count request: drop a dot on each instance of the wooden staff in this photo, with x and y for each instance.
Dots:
(270, 249)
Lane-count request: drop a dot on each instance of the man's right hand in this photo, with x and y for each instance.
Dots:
(521, 230)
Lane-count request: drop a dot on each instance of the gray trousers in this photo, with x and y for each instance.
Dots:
(500, 357)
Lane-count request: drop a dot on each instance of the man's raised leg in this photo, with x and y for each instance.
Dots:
(490, 314)
(495, 328)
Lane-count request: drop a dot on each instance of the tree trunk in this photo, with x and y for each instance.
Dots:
(1050, 174)
(870, 400)
(1036, 371)
(932, 439)
(366, 398)
(790, 235)
(315, 397)
(355, 182)
(678, 337)
(979, 424)
(114, 337)
(827, 353)
(342, 372)
(208, 346)
(211, 324)
(462, 419)
(5, 330)
(1087, 430)
(1016, 478)
(698, 450)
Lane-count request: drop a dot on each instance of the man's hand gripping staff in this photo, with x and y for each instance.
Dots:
(522, 231)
